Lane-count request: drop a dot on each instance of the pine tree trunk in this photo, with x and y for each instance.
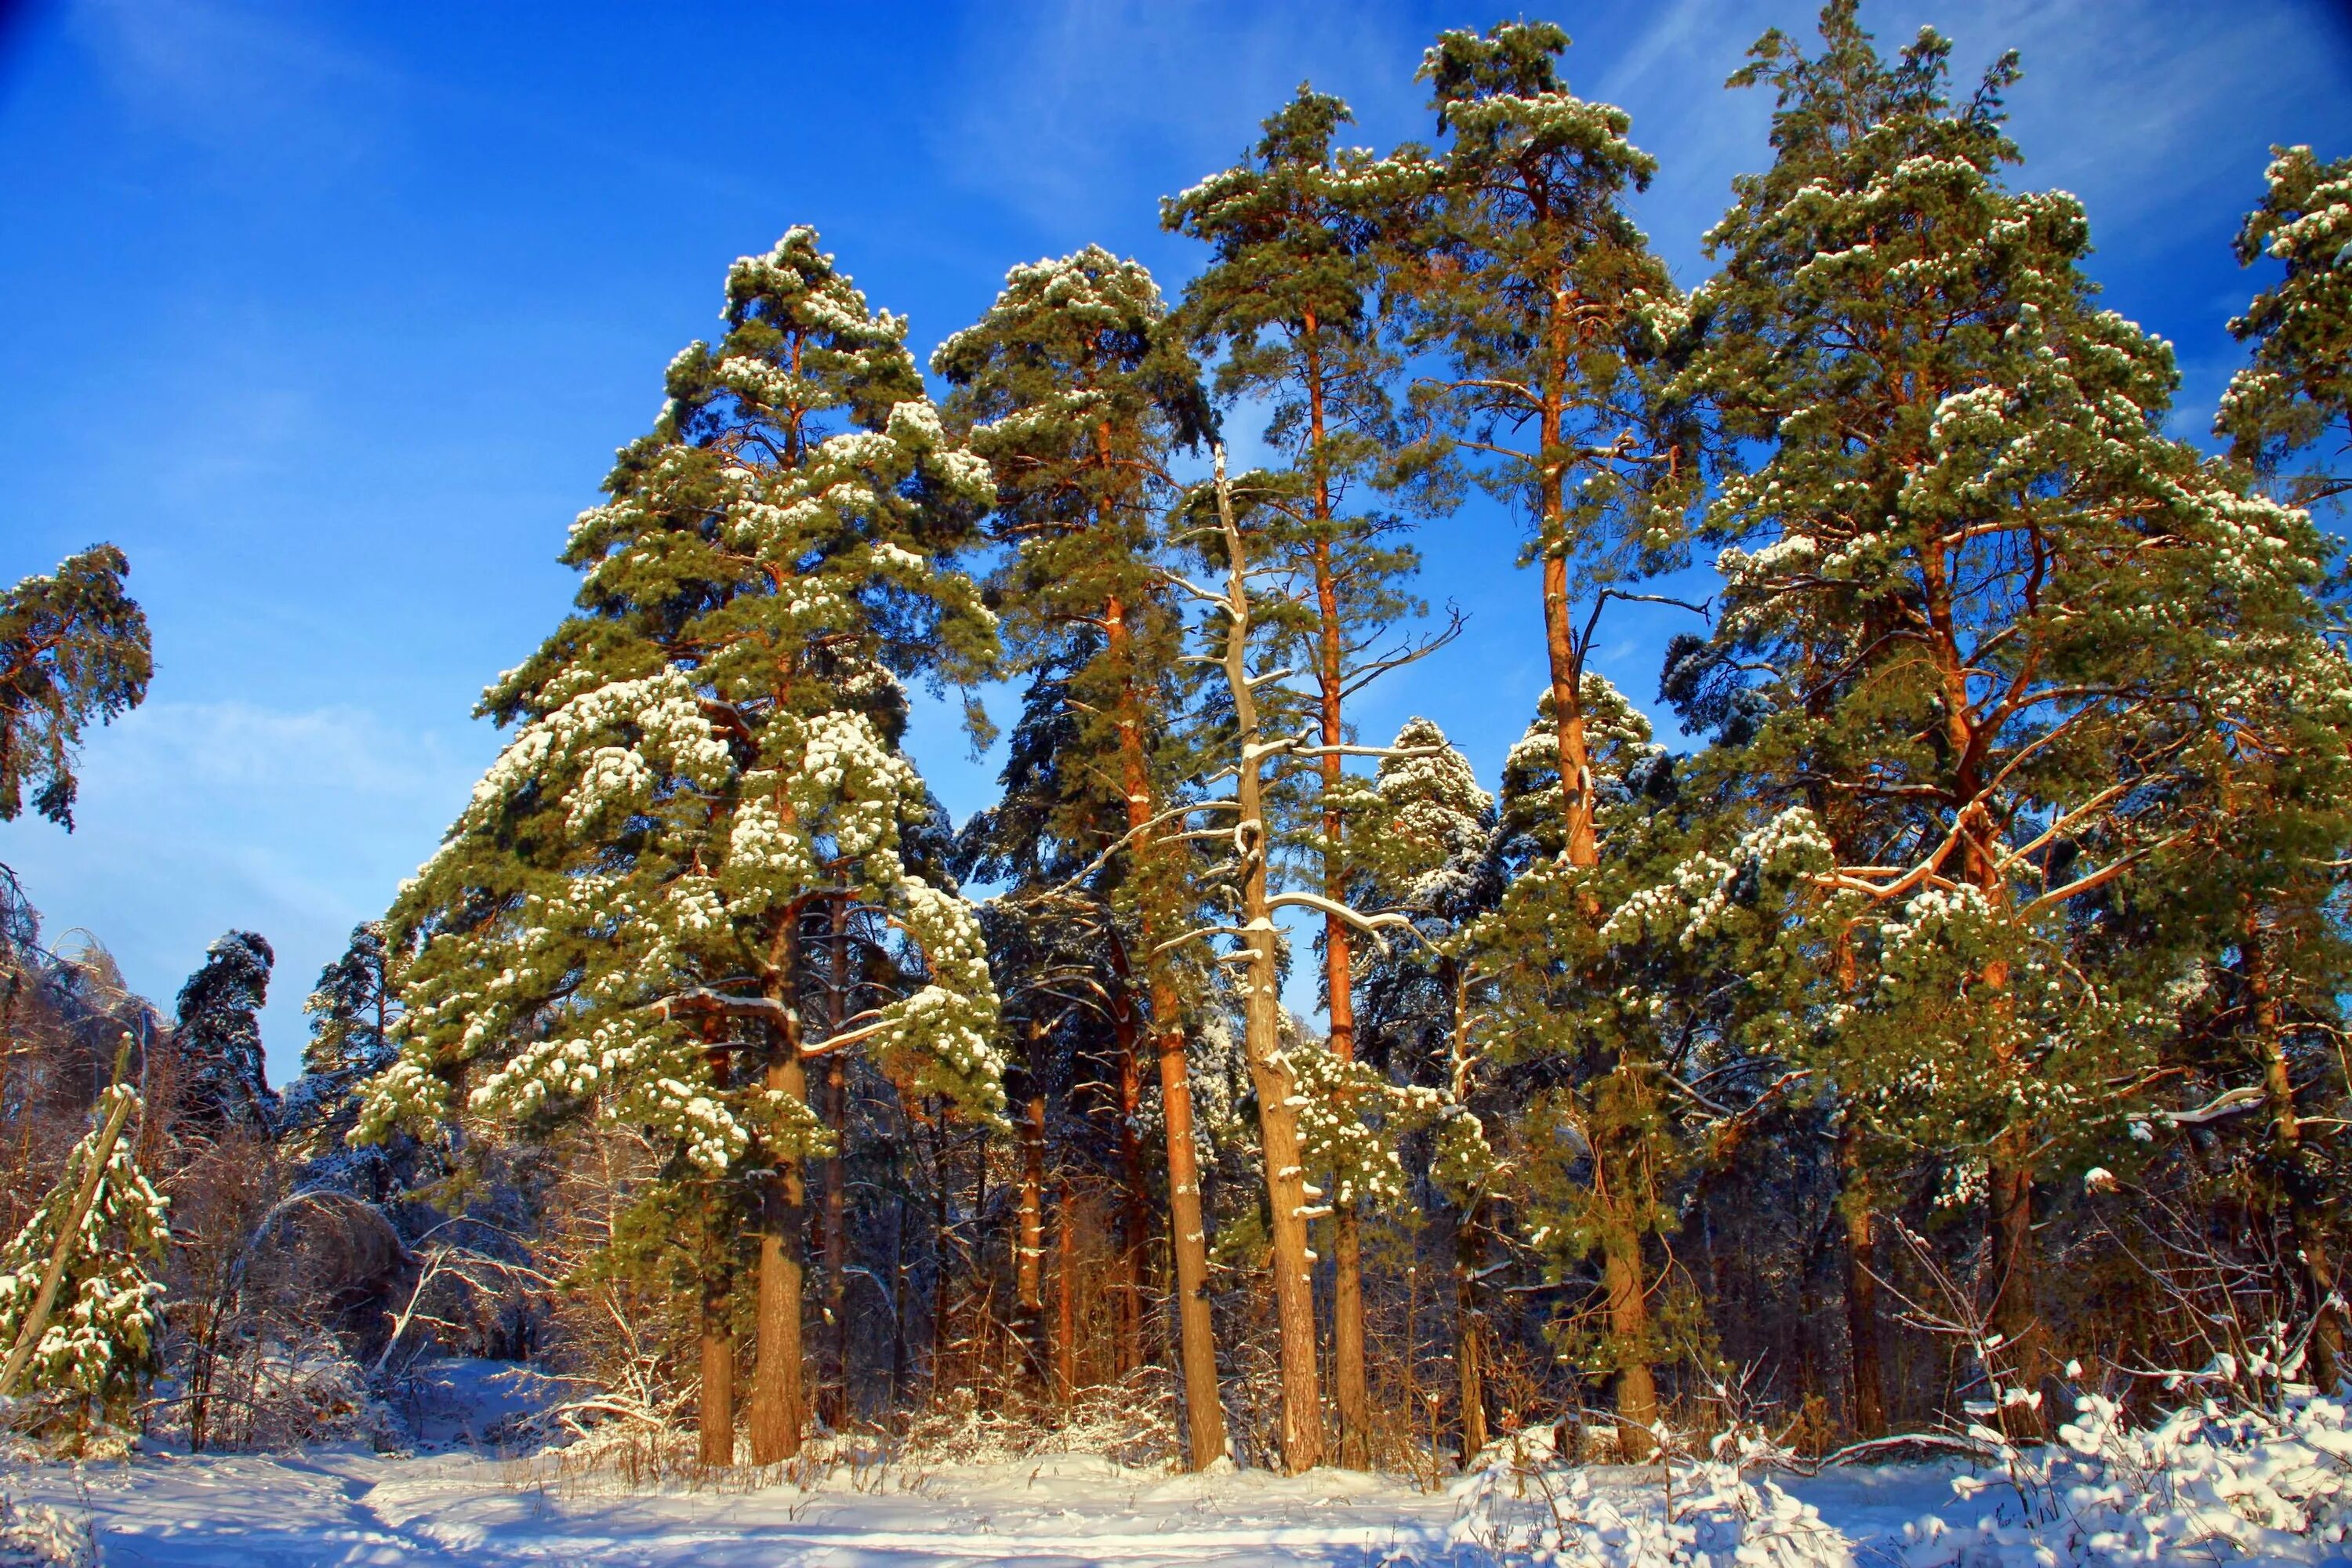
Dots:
(1196, 1348)
(1270, 1074)
(1302, 1414)
(1339, 979)
(2307, 1210)
(2010, 1199)
(1469, 1332)
(1568, 737)
(1029, 1261)
(1205, 1413)
(1866, 1397)
(978, 1287)
(1065, 1297)
(1624, 1279)
(1636, 1387)
(1347, 1382)
(1135, 1205)
(836, 1186)
(2009, 1195)
(837, 1243)
(776, 1373)
(717, 1408)
(2009, 1175)
(1347, 1244)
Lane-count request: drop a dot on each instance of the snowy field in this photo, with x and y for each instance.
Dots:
(348, 1505)
(2213, 1490)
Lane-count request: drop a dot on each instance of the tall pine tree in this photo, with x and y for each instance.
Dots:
(1080, 395)
(704, 753)
(1983, 610)
(2294, 403)
(1551, 314)
(1291, 303)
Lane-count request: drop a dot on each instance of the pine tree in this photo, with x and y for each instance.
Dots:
(80, 1310)
(73, 647)
(354, 1007)
(218, 1036)
(1079, 394)
(351, 1009)
(2297, 393)
(1430, 843)
(2250, 945)
(1272, 1070)
(2289, 959)
(1553, 317)
(1291, 301)
(705, 754)
(1981, 605)
(1309, 1102)
(1603, 1149)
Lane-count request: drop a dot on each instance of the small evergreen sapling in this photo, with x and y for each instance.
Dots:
(80, 1308)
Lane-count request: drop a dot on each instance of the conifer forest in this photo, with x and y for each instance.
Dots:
(1929, 1049)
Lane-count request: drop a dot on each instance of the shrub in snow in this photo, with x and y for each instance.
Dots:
(2219, 1478)
(1523, 1505)
(1132, 1423)
(35, 1535)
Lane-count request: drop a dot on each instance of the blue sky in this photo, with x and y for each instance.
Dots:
(333, 317)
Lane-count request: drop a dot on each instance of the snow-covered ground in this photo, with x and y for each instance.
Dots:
(2213, 1487)
(348, 1505)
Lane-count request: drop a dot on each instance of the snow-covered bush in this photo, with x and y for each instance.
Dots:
(36, 1536)
(280, 1396)
(1523, 1504)
(2221, 1477)
(1132, 1423)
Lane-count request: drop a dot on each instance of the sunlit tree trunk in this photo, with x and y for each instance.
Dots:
(2306, 1208)
(1865, 1392)
(776, 1375)
(1470, 1330)
(1196, 1339)
(716, 1409)
(1270, 1073)
(1029, 1260)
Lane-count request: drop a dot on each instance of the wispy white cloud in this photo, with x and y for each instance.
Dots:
(2124, 101)
(198, 817)
(266, 754)
(244, 80)
(1058, 103)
